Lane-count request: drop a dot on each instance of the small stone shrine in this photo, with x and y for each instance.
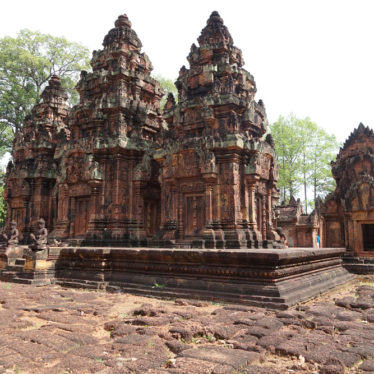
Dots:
(349, 211)
(300, 229)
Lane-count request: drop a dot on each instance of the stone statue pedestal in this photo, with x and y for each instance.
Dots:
(37, 270)
(3, 257)
(8, 254)
(37, 254)
(14, 251)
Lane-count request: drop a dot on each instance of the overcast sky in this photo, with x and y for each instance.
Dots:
(312, 58)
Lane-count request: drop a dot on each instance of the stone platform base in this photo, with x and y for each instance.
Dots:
(359, 265)
(31, 268)
(275, 278)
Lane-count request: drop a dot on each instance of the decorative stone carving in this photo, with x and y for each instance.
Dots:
(39, 240)
(12, 238)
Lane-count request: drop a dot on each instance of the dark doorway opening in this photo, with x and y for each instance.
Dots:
(81, 216)
(368, 237)
(152, 216)
(194, 214)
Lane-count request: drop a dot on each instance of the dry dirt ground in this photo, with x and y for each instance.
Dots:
(56, 330)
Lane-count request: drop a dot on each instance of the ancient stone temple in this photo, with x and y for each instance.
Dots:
(31, 177)
(300, 229)
(349, 210)
(115, 183)
(218, 178)
(112, 172)
(107, 181)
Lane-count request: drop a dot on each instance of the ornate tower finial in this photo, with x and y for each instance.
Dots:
(122, 21)
(214, 18)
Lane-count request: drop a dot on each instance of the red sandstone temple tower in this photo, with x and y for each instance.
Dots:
(218, 178)
(349, 210)
(110, 172)
(107, 187)
(31, 179)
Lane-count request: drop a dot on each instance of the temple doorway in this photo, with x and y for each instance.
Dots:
(81, 216)
(194, 214)
(368, 237)
(151, 216)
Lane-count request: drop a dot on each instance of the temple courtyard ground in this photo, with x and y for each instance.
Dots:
(51, 329)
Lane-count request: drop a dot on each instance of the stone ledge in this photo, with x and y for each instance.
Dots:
(271, 278)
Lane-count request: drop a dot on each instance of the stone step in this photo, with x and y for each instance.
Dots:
(80, 284)
(34, 282)
(8, 275)
(34, 275)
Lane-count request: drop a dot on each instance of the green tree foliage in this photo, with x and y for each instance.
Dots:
(169, 87)
(27, 62)
(304, 152)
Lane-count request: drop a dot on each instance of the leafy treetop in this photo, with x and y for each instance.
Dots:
(27, 62)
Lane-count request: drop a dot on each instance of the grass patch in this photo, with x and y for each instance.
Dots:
(158, 285)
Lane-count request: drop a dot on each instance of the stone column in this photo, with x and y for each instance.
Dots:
(253, 231)
(131, 189)
(62, 220)
(72, 217)
(263, 215)
(269, 223)
(96, 189)
(246, 206)
(163, 202)
(252, 205)
(180, 212)
(208, 204)
(139, 209)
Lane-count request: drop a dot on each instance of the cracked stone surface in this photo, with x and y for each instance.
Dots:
(52, 329)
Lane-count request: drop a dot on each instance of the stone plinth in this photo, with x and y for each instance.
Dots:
(272, 278)
(25, 266)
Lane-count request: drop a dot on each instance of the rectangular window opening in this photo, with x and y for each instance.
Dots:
(368, 237)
